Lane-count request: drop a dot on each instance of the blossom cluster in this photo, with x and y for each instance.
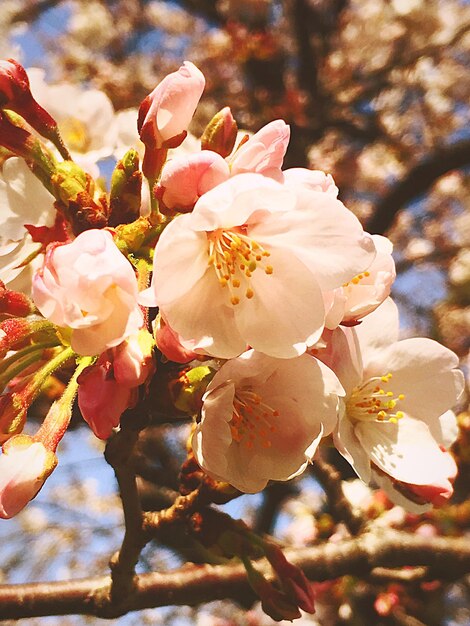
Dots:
(259, 271)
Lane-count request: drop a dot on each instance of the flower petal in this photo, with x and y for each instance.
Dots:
(326, 236)
(286, 313)
(180, 260)
(204, 322)
(235, 201)
(424, 371)
(405, 451)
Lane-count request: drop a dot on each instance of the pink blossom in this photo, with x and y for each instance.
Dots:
(186, 178)
(165, 114)
(89, 287)
(366, 291)
(249, 265)
(101, 399)
(396, 419)
(262, 418)
(264, 152)
(24, 466)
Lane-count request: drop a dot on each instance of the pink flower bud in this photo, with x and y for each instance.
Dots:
(274, 602)
(133, 359)
(101, 399)
(24, 466)
(221, 133)
(264, 152)
(165, 114)
(293, 581)
(184, 180)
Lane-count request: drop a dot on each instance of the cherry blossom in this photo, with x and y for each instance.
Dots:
(85, 117)
(366, 291)
(396, 426)
(23, 200)
(262, 418)
(89, 287)
(248, 267)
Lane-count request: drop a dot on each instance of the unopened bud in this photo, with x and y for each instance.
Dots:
(274, 602)
(15, 303)
(15, 95)
(72, 186)
(16, 138)
(221, 133)
(293, 581)
(126, 187)
(17, 332)
(25, 465)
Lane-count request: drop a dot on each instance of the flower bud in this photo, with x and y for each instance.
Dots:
(184, 180)
(24, 466)
(14, 302)
(165, 114)
(16, 332)
(292, 579)
(126, 185)
(101, 399)
(75, 189)
(274, 602)
(221, 133)
(15, 94)
(133, 359)
(18, 140)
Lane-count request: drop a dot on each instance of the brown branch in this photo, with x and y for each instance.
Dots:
(340, 507)
(33, 10)
(193, 585)
(418, 180)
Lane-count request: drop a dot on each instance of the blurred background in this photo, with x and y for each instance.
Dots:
(377, 94)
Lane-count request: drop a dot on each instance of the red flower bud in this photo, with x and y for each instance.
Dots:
(15, 94)
(292, 579)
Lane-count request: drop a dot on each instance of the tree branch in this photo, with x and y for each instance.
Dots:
(33, 10)
(417, 181)
(341, 510)
(192, 585)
